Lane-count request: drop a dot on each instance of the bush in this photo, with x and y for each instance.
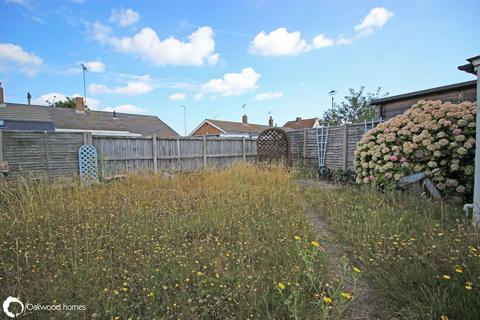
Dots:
(434, 137)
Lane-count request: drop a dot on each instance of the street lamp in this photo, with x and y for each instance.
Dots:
(332, 94)
(84, 69)
(185, 119)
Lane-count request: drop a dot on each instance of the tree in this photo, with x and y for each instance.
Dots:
(68, 103)
(355, 108)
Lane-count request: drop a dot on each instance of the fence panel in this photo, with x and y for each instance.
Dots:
(34, 154)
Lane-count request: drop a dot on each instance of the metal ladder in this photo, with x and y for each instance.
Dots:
(322, 142)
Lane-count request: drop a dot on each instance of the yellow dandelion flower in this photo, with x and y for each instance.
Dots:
(150, 295)
(446, 277)
(281, 285)
(315, 244)
(468, 287)
(357, 270)
(458, 270)
(327, 300)
(199, 273)
(346, 295)
(297, 237)
(115, 292)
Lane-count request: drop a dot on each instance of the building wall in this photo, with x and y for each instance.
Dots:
(206, 129)
(389, 110)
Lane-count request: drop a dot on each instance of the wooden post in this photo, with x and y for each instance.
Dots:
(1, 145)
(244, 148)
(205, 152)
(46, 152)
(304, 147)
(178, 154)
(87, 138)
(154, 153)
(345, 146)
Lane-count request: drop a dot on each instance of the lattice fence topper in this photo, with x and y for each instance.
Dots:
(87, 155)
(273, 145)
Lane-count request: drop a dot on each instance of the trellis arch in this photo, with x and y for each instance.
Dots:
(273, 145)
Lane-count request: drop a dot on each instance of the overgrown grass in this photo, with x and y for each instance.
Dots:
(209, 245)
(421, 256)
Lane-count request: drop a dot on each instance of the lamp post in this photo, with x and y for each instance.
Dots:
(184, 119)
(332, 94)
(84, 69)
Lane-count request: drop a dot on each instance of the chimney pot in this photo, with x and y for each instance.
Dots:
(245, 119)
(2, 99)
(298, 119)
(80, 106)
(270, 122)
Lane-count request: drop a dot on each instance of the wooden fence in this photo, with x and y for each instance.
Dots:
(55, 155)
(341, 144)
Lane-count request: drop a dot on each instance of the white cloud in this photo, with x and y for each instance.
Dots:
(233, 83)
(94, 66)
(320, 41)
(198, 50)
(123, 17)
(374, 20)
(342, 40)
(278, 42)
(125, 108)
(29, 72)
(132, 88)
(23, 3)
(268, 96)
(177, 96)
(14, 53)
(50, 98)
(198, 96)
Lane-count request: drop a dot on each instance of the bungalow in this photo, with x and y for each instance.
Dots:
(14, 116)
(392, 106)
(300, 123)
(221, 128)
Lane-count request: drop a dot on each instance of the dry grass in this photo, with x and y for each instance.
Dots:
(424, 266)
(209, 245)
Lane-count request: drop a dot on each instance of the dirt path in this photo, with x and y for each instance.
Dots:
(365, 305)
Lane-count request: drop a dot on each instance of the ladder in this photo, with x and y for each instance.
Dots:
(322, 142)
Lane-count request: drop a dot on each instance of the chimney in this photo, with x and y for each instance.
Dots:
(80, 107)
(2, 100)
(245, 119)
(270, 122)
(298, 119)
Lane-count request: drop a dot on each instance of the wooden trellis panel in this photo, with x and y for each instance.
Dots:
(273, 145)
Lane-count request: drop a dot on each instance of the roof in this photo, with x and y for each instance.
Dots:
(235, 127)
(436, 90)
(65, 118)
(301, 124)
(28, 125)
(469, 67)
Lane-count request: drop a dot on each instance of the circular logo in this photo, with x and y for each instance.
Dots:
(6, 306)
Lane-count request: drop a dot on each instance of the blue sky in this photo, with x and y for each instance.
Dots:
(214, 56)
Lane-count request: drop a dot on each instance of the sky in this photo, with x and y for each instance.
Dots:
(222, 59)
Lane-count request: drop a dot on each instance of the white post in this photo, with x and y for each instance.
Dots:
(476, 190)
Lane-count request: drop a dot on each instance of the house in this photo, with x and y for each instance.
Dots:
(14, 116)
(392, 106)
(221, 128)
(300, 123)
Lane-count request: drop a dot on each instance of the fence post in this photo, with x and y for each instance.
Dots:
(178, 153)
(205, 152)
(46, 152)
(304, 147)
(345, 146)
(87, 138)
(244, 149)
(154, 153)
(1, 145)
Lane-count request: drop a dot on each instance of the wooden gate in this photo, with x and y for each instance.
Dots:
(273, 145)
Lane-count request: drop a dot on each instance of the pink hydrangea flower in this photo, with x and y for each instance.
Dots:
(403, 159)
(447, 123)
(393, 158)
(457, 131)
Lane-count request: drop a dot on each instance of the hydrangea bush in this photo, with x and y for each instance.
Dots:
(434, 137)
